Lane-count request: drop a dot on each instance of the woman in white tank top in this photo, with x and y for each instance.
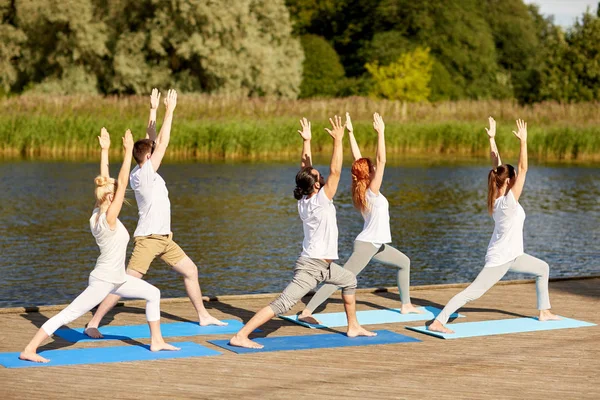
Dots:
(505, 250)
(372, 242)
(109, 274)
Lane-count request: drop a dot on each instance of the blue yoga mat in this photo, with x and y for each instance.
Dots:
(99, 355)
(124, 332)
(330, 340)
(501, 326)
(371, 317)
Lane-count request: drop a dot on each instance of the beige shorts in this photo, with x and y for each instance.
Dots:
(147, 248)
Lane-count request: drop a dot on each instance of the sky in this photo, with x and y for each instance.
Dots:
(565, 11)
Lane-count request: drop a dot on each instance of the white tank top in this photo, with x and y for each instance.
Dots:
(376, 229)
(506, 243)
(110, 266)
(320, 227)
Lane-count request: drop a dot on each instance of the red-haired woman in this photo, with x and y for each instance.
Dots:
(371, 243)
(505, 250)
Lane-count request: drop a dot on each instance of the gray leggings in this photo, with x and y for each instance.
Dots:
(363, 253)
(308, 273)
(489, 276)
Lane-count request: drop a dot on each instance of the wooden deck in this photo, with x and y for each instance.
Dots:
(560, 364)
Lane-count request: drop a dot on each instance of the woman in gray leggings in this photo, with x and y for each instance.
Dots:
(319, 248)
(505, 250)
(371, 242)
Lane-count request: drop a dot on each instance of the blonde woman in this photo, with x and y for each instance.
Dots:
(109, 274)
(372, 242)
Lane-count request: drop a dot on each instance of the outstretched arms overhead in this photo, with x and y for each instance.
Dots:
(165, 131)
(335, 168)
(521, 134)
(353, 144)
(154, 102)
(115, 207)
(306, 135)
(104, 140)
(377, 179)
(494, 153)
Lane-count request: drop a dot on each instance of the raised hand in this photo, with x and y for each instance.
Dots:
(492, 131)
(171, 100)
(349, 123)
(154, 99)
(337, 131)
(128, 141)
(521, 132)
(305, 132)
(104, 139)
(378, 124)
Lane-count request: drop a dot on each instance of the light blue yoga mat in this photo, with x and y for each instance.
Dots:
(370, 317)
(329, 340)
(99, 355)
(173, 329)
(501, 326)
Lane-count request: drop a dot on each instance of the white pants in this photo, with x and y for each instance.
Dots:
(97, 290)
(490, 275)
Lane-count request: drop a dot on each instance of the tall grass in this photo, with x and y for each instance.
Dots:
(212, 127)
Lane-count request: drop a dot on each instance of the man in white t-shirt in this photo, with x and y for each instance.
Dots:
(153, 237)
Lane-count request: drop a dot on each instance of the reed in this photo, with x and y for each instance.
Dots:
(218, 127)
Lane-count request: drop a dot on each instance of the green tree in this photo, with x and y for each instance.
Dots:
(323, 71)
(406, 79)
(11, 41)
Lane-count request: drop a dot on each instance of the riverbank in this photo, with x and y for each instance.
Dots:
(222, 128)
(533, 365)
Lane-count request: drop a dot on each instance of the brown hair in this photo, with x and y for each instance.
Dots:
(496, 179)
(305, 180)
(361, 179)
(141, 148)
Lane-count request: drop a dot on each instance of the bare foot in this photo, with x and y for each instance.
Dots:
(163, 346)
(32, 356)
(239, 341)
(210, 320)
(437, 326)
(546, 315)
(359, 331)
(306, 316)
(410, 309)
(92, 332)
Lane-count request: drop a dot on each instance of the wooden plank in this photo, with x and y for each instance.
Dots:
(535, 365)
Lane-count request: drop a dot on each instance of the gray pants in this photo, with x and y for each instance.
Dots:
(308, 273)
(489, 276)
(363, 253)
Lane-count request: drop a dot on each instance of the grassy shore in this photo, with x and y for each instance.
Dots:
(210, 127)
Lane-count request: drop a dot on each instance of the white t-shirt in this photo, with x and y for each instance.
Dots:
(110, 266)
(376, 229)
(506, 243)
(152, 196)
(320, 227)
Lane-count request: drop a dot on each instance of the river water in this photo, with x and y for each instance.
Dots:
(239, 223)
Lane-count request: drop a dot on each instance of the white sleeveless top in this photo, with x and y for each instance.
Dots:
(376, 229)
(110, 266)
(506, 243)
(320, 227)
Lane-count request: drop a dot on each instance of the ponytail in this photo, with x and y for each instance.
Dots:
(105, 186)
(492, 191)
(496, 179)
(361, 179)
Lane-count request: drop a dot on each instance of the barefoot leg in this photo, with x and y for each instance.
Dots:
(410, 309)
(241, 338)
(30, 352)
(157, 343)
(354, 328)
(437, 326)
(306, 316)
(546, 315)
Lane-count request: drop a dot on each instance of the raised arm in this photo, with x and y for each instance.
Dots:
(154, 102)
(115, 207)
(353, 145)
(494, 153)
(165, 130)
(521, 134)
(104, 140)
(377, 179)
(335, 169)
(306, 135)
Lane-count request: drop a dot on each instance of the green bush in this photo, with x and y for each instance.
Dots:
(323, 71)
